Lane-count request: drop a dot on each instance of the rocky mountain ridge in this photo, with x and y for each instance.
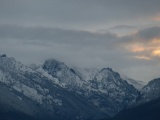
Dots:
(30, 92)
(57, 91)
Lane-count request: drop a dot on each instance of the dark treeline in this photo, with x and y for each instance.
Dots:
(148, 111)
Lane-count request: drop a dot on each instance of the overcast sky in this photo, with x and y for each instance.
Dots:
(121, 34)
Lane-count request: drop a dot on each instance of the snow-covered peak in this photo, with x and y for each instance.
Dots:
(10, 64)
(152, 86)
(110, 83)
(6, 60)
(151, 91)
(35, 88)
(3, 55)
(52, 64)
(154, 82)
(103, 87)
(66, 76)
(107, 74)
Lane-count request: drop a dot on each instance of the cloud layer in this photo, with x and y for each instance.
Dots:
(82, 14)
(145, 43)
(127, 54)
(124, 35)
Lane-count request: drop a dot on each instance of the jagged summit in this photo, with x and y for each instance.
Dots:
(151, 91)
(108, 69)
(111, 83)
(30, 92)
(154, 81)
(11, 64)
(3, 55)
(52, 64)
(111, 90)
(108, 72)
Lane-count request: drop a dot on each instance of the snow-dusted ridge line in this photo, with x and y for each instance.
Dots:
(150, 92)
(105, 83)
(62, 90)
(53, 85)
(9, 67)
(30, 87)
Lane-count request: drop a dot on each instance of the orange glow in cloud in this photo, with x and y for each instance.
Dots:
(157, 18)
(145, 50)
(156, 52)
(142, 57)
(155, 41)
(136, 48)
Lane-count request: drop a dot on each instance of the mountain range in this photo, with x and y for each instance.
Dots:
(55, 91)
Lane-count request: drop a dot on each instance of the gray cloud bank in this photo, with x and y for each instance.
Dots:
(77, 47)
(82, 14)
(97, 33)
(45, 35)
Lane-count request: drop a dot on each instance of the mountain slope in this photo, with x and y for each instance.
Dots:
(55, 91)
(150, 92)
(106, 90)
(147, 111)
(121, 95)
(147, 106)
(31, 93)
